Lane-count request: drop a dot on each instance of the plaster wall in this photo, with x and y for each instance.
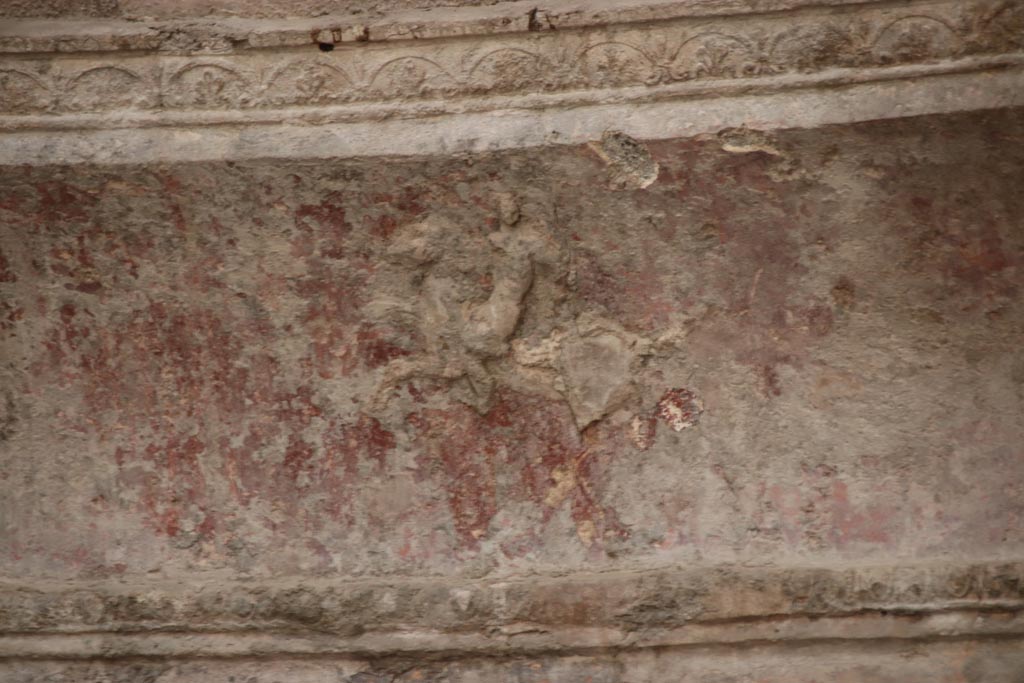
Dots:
(563, 413)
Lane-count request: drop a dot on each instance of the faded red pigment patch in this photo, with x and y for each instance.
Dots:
(58, 203)
(819, 513)
(298, 456)
(93, 257)
(77, 264)
(872, 524)
(364, 440)
(158, 361)
(171, 484)
(735, 225)
(378, 344)
(467, 450)
(331, 315)
(771, 385)
(172, 192)
(6, 274)
(252, 469)
(163, 365)
(310, 485)
(321, 229)
(272, 453)
(10, 315)
(768, 322)
(64, 339)
(528, 440)
(629, 292)
(143, 369)
(959, 236)
(203, 273)
(383, 212)
(382, 227)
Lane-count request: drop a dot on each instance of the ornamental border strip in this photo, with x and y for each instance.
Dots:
(625, 601)
(639, 59)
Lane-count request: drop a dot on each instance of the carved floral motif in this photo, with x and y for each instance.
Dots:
(597, 58)
(22, 93)
(105, 88)
(207, 86)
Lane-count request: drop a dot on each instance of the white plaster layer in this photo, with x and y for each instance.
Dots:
(512, 128)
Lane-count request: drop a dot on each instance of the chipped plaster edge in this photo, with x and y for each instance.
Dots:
(483, 131)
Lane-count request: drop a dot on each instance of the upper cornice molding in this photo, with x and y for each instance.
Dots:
(230, 34)
(511, 59)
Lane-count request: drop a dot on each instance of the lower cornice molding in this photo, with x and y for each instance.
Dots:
(570, 614)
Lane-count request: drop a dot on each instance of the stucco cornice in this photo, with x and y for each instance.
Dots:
(569, 613)
(199, 76)
(242, 32)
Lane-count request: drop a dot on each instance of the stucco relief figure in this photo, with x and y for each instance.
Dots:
(465, 295)
(461, 324)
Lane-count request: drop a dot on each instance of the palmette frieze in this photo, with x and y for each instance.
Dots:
(595, 58)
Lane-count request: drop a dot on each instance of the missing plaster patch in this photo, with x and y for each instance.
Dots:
(747, 141)
(630, 164)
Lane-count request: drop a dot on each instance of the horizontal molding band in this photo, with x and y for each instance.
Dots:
(652, 608)
(237, 33)
(539, 102)
(955, 625)
(603, 59)
(497, 89)
(491, 130)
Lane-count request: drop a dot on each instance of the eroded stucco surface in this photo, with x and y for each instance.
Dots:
(780, 348)
(148, 9)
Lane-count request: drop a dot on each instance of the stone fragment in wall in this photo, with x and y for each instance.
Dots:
(747, 141)
(782, 168)
(598, 362)
(535, 365)
(542, 353)
(630, 164)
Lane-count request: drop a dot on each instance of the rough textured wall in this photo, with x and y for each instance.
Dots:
(771, 351)
(190, 9)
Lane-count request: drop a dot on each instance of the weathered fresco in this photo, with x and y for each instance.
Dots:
(751, 347)
(950, 663)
